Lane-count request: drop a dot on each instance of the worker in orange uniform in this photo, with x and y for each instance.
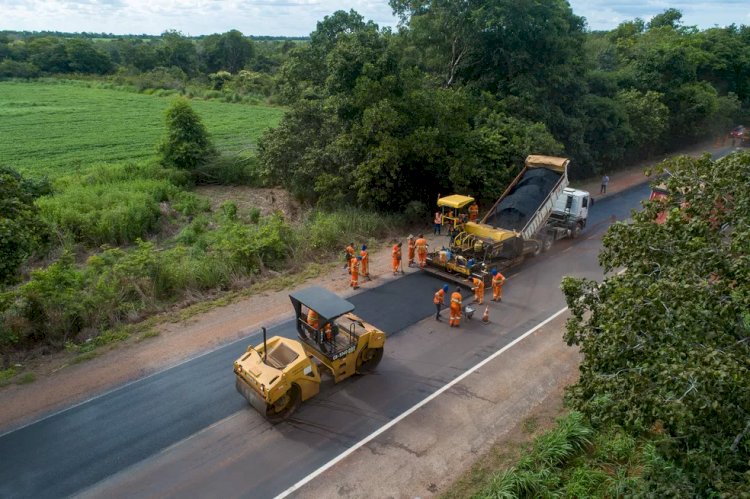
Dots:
(478, 289)
(439, 300)
(396, 257)
(355, 272)
(365, 262)
(498, 280)
(421, 244)
(410, 241)
(349, 256)
(473, 212)
(456, 302)
(312, 319)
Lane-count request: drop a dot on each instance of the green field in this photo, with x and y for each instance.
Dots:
(58, 128)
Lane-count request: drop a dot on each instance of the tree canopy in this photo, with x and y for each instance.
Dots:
(21, 229)
(186, 144)
(666, 342)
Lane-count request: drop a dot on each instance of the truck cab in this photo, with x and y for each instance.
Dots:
(571, 210)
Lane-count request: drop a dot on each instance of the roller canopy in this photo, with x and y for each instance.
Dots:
(328, 305)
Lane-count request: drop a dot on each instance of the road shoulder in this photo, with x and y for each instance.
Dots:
(430, 449)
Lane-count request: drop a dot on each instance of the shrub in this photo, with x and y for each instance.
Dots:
(189, 204)
(229, 170)
(186, 144)
(21, 229)
(114, 213)
(331, 231)
(54, 303)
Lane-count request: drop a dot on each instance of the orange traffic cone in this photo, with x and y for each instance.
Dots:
(486, 314)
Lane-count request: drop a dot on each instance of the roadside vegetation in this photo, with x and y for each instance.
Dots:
(661, 408)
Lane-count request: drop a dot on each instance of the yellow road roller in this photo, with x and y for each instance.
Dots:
(279, 374)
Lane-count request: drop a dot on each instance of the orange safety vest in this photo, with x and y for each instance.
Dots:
(438, 218)
(439, 296)
(421, 244)
(478, 283)
(355, 268)
(350, 251)
(456, 299)
(473, 212)
(396, 252)
(498, 279)
(312, 319)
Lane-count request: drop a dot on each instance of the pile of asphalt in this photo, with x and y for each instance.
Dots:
(516, 209)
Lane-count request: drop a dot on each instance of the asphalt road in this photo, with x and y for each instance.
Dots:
(70, 451)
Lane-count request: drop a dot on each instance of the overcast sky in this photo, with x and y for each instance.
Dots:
(298, 17)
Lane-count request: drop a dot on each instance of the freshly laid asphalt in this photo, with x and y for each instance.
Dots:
(72, 450)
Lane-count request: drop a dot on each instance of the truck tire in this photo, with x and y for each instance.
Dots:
(537, 248)
(546, 244)
(368, 359)
(285, 406)
(576, 231)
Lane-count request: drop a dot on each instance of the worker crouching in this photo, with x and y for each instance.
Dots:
(456, 306)
(478, 289)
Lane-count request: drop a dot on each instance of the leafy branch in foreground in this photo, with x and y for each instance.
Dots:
(666, 343)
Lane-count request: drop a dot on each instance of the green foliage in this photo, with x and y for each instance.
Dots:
(116, 204)
(53, 128)
(377, 133)
(187, 144)
(326, 232)
(21, 230)
(665, 343)
(537, 473)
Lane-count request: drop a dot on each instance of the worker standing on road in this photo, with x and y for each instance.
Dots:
(498, 280)
(421, 244)
(411, 245)
(438, 221)
(365, 262)
(355, 272)
(456, 303)
(396, 257)
(473, 212)
(605, 183)
(478, 289)
(349, 256)
(439, 300)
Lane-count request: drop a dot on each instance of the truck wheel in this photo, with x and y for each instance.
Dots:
(369, 359)
(537, 248)
(576, 231)
(546, 244)
(284, 406)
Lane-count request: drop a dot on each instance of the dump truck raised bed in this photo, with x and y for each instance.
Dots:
(535, 210)
(278, 375)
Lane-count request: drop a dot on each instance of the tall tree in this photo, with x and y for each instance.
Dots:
(186, 144)
(666, 342)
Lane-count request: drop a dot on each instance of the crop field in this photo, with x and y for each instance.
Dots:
(59, 128)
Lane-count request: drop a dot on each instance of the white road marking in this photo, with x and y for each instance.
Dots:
(414, 408)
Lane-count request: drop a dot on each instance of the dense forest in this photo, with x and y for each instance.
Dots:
(451, 100)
